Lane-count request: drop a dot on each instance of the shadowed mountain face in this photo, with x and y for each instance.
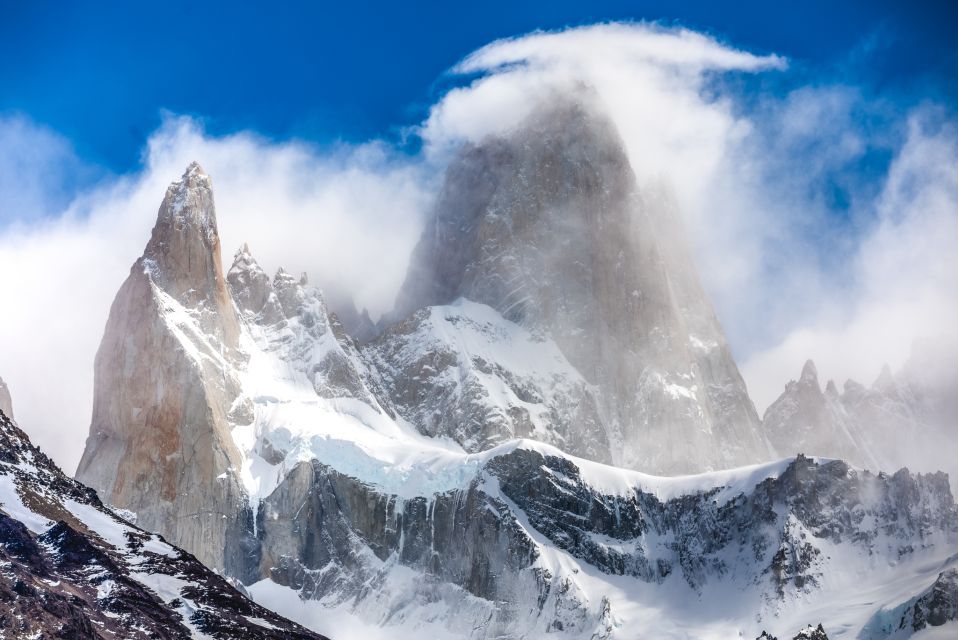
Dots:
(549, 227)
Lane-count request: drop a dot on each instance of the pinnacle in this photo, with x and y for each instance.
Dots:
(885, 380)
(193, 169)
(241, 253)
(809, 372)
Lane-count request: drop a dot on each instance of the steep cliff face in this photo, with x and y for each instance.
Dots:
(160, 441)
(548, 227)
(524, 541)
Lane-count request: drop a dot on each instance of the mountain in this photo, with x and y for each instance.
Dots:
(548, 226)
(806, 418)
(909, 418)
(72, 568)
(422, 482)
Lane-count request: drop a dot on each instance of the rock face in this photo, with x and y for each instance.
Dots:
(160, 442)
(507, 548)
(548, 227)
(74, 569)
(6, 403)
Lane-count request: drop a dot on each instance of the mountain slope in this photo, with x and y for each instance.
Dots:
(548, 226)
(71, 568)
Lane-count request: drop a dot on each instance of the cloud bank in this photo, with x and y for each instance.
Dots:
(823, 221)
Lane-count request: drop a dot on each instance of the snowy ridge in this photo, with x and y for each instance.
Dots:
(463, 371)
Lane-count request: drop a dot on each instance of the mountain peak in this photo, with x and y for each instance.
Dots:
(548, 225)
(183, 255)
(192, 194)
(831, 390)
(809, 373)
(885, 380)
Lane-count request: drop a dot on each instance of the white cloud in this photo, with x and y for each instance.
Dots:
(38, 167)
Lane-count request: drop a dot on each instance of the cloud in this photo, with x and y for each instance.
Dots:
(786, 196)
(903, 275)
(347, 215)
(822, 220)
(38, 170)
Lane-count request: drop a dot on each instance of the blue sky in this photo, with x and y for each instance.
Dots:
(101, 73)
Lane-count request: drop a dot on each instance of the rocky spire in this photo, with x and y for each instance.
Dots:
(248, 282)
(160, 440)
(804, 419)
(809, 374)
(831, 391)
(885, 382)
(183, 254)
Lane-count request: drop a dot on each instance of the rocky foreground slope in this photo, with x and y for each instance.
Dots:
(72, 568)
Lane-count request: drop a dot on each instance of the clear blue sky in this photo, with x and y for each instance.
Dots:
(101, 73)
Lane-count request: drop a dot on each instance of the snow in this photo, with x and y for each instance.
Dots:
(616, 481)
(11, 503)
(102, 524)
(358, 439)
(947, 631)
(329, 621)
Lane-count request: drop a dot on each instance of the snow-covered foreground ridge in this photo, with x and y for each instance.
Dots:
(72, 568)
(421, 483)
